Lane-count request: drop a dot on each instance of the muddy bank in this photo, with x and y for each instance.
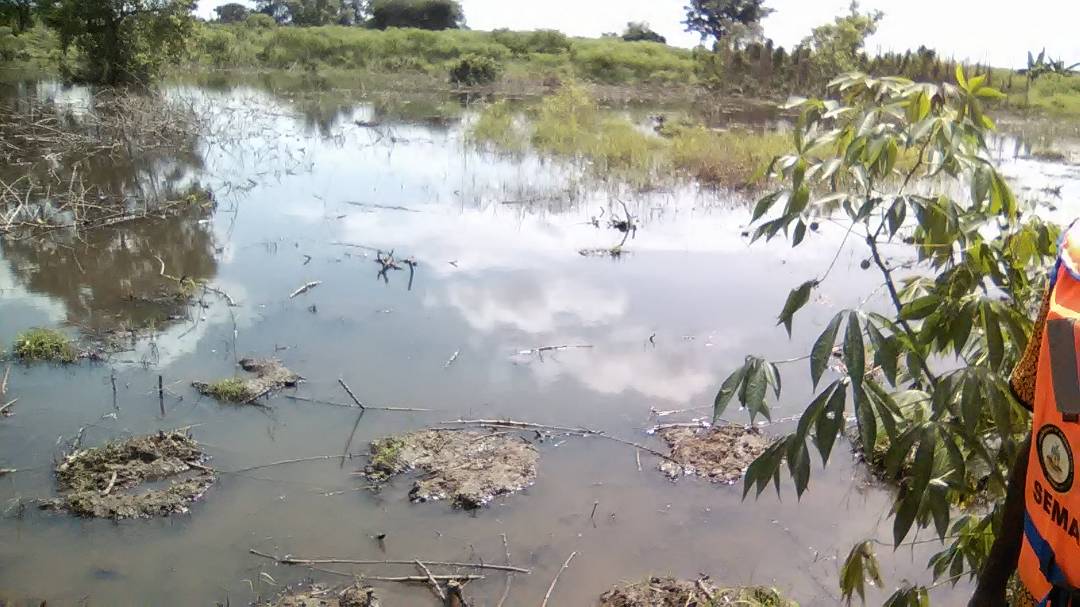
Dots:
(110, 481)
(466, 467)
(269, 376)
(720, 454)
(671, 592)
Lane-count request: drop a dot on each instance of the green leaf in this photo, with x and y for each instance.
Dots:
(765, 203)
(727, 390)
(823, 347)
(854, 351)
(795, 301)
(960, 79)
(798, 459)
(773, 373)
(800, 233)
(798, 201)
(920, 308)
(971, 403)
(828, 424)
(752, 395)
(995, 344)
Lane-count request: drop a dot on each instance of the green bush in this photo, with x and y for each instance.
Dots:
(422, 14)
(260, 21)
(473, 70)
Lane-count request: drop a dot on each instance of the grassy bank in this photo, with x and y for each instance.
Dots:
(571, 124)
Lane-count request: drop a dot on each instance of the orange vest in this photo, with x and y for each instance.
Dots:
(1050, 557)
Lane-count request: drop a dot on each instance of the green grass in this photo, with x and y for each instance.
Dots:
(232, 390)
(39, 344)
(542, 54)
(571, 124)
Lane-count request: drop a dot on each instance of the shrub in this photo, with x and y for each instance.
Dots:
(44, 344)
(260, 21)
(472, 70)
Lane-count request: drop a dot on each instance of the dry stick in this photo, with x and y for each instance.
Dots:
(333, 404)
(283, 462)
(3, 384)
(109, 487)
(434, 584)
(585, 431)
(6, 471)
(161, 394)
(509, 576)
(3, 410)
(290, 560)
(348, 443)
(637, 456)
(556, 580)
(705, 590)
(407, 579)
(112, 378)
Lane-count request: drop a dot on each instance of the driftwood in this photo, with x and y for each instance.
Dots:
(509, 576)
(3, 383)
(506, 423)
(291, 560)
(6, 471)
(435, 587)
(7, 405)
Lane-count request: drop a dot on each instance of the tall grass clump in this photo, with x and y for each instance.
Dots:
(39, 344)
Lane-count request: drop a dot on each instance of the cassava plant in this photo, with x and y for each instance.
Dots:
(924, 368)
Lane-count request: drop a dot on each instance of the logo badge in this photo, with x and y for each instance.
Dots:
(1056, 458)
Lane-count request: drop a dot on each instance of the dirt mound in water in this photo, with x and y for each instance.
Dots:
(270, 376)
(356, 595)
(468, 468)
(720, 454)
(109, 481)
(670, 592)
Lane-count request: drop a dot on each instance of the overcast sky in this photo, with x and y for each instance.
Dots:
(977, 30)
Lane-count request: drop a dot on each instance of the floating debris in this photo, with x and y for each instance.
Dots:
(720, 454)
(355, 595)
(104, 482)
(270, 376)
(40, 344)
(671, 592)
(468, 468)
(305, 288)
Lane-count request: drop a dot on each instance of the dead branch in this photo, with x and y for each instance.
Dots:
(509, 576)
(556, 580)
(291, 560)
(109, 487)
(4, 409)
(304, 289)
(451, 360)
(543, 349)
(6, 471)
(3, 384)
(509, 423)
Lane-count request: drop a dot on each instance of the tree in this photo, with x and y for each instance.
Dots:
(1041, 66)
(314, 12)
(278, 9)
(837, 47)
(122, 40)
(719, 19)
(422, 14)
(636, 31)
(232, 13)
(924, 372)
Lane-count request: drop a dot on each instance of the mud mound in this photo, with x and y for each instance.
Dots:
(108, 481)
(670, 592)
(720, 454)
(270, 376)
(469, 468)
(356, 595)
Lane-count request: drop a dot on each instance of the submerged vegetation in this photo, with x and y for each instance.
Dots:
(40, 344)
(571, 124)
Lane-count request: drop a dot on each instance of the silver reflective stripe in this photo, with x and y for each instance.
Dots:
(1062, 341)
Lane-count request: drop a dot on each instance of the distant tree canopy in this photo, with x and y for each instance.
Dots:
(838, 46)
(423, 14)
(718, 19)
(17, 14)
(232, 13)
(121, 40)
(641, 31)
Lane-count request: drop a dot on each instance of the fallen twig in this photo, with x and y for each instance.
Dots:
(509, 423)
(4, 409)
(543, 349)
(509, 576)
(6, 471)
(343, 405)
(705, 590)
(291, 560)
(451, 360)
(283, 462)
(349, 391)
(304, 289)
(556, 580)
(434, 583)
(109, 487)
(3, 384)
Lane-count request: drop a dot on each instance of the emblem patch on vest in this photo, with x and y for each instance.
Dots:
(1056, 458)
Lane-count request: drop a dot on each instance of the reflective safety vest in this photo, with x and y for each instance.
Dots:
(1050, 557)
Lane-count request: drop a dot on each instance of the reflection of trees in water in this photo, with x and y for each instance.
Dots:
(111, 278)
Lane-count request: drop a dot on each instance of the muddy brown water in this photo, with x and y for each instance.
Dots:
(499, 273)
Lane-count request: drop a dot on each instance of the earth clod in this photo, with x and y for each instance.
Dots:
(270, 376)
(672, 592)
(720, 454)
(110, 481)
(469, 468)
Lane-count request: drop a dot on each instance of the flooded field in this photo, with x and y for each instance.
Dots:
(379, 247)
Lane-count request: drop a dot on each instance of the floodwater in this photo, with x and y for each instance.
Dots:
(305, 193)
